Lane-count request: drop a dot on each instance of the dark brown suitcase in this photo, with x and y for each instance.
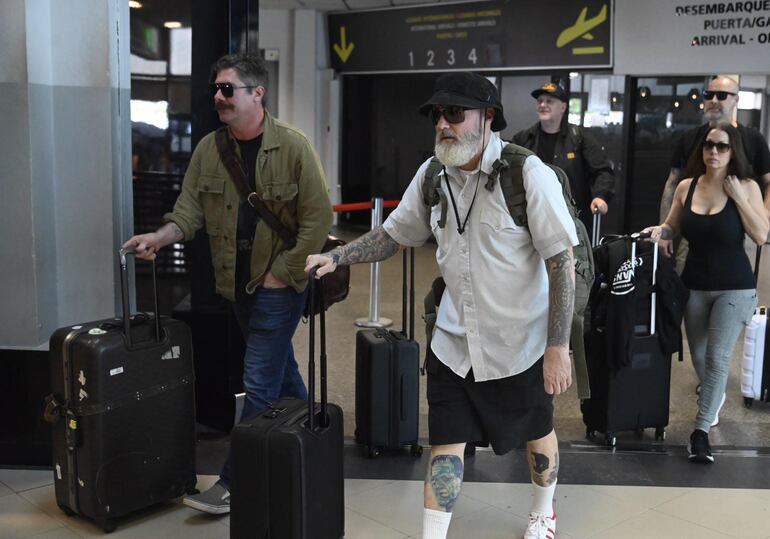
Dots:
(123, 413)
(287, 464)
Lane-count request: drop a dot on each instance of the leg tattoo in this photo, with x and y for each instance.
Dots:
(445, 477)
(540, 464)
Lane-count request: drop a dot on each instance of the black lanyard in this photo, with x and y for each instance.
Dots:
(461, 229)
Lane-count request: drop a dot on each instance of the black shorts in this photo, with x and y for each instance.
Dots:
(507, 412)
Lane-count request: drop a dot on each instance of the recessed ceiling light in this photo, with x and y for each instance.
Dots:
(172, 24)
(134, 4)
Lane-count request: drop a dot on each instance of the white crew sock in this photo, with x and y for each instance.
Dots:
(542, 498)
(435, 524)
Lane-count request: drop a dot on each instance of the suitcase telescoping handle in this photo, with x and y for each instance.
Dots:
(313, 282)
(409, 335)
(757, 260)
(653, 297)
(124, 291)
(596, 234)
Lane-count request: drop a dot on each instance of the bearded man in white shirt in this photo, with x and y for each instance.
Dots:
(500, 349)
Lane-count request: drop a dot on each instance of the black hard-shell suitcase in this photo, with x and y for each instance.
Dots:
(123, 413)
(635, 396)
(287, 474)
(388, 382)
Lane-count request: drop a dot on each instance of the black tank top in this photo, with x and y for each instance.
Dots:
(717, 259)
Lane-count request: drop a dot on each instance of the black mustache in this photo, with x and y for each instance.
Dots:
(223, 106)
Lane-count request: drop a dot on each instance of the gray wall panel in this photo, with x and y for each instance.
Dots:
(17, 288)
(13, 59)
(84, 202)
(43, 204)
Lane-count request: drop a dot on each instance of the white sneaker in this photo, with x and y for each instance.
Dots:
(716, 417)
(215, 501)
(541, 526)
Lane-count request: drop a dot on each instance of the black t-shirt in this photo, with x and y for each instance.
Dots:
(247, 218)
(754, 144)
(546, 146)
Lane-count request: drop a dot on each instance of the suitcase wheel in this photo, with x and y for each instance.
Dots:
(748, 402)
(108, 525)
(660, 434)
(610, 440)
(416, 450)
(66, 510)
(590, 434)
(372, 452)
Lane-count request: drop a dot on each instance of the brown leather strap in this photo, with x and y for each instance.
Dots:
(238, 176)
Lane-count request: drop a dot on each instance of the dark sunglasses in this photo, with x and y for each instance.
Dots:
(722, 147)
(708, 95)
(452, 114)
(226, 88)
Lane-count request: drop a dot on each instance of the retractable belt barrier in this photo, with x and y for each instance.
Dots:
(376, 205)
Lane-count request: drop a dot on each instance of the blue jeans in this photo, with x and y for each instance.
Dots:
(714, 320)
(268, 319)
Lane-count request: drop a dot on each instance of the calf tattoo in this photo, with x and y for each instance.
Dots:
(445, 477)
(540, 464)
(373, 246)
(561, 297)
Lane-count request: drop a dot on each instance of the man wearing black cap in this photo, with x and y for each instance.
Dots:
(567, 146)
(500, 347)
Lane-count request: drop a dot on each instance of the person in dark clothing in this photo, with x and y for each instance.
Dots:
(572, 149)
(720, 104)
(714, 209)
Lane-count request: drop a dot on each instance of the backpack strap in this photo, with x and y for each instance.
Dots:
(432, 193)
(509, 170)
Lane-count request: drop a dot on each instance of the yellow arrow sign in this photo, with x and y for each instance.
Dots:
(344, 49)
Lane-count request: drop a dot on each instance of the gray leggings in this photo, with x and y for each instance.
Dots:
(714, 320)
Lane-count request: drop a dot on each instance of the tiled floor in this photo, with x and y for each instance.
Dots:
(385, 509)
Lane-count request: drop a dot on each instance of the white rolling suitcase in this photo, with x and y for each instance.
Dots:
(755, 373)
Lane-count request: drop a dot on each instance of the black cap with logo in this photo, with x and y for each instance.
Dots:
(469, 90)
(552, 89)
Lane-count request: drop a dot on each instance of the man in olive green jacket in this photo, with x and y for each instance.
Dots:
(254, 268)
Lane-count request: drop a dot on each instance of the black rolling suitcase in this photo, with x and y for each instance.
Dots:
(287, 475)
(634, 395)
(388, 382)
(123, 413)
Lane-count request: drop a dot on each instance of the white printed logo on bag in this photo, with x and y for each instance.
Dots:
(623, 282)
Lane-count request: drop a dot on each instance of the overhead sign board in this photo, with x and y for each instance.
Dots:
(665, 37)
(496, 34)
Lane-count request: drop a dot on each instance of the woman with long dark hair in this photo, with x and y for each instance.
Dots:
(714, 208)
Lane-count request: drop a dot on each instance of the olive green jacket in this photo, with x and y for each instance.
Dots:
(290, 180)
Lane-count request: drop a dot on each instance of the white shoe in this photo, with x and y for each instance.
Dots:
(716, 417)
(541, 526)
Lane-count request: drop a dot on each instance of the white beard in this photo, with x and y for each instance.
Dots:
(461, 151)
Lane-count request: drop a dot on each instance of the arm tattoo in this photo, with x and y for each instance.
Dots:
(373, 246)
(561, 297)
(540, 465)
(666, 232)
(178, 234)
(667, 199)
(445, 477)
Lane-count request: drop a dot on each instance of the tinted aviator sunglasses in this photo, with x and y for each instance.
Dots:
(722, 147)
(226, 88)
(708, 95)
(452, 114)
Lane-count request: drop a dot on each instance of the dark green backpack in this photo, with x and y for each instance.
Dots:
(508, 170)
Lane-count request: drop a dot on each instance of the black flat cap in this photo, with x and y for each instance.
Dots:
(466, 89)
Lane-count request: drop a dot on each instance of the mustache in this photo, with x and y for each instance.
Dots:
(222, 106)
(446, 133)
